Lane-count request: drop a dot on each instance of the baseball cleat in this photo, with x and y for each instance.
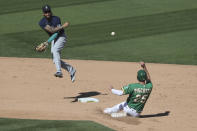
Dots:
(121, 114)
(107, 111)
(58, 74)
(72, 74)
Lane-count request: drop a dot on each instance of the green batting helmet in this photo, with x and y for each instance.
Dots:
(141, 75)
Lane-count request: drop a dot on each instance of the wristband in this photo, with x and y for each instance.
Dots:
(52, 37)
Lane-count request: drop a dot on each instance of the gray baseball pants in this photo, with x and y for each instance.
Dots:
(56, 47)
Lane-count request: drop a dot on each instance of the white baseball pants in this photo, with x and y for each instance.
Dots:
(122, 106)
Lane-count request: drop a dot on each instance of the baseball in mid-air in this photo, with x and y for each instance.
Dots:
(113, 33)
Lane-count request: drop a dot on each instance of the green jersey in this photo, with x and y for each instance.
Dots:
(138, 95)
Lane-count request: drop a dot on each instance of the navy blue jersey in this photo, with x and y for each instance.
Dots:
(53, 22)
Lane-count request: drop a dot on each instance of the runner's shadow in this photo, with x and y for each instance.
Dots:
(166, 113)
(84, 94)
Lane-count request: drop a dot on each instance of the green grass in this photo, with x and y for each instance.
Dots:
(13, 6)
(153, 31)
(49, 125)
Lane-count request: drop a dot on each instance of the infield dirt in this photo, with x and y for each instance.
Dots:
(28, 89)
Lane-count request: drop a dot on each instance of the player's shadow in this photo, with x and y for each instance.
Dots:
(84, 94)
(166, 113)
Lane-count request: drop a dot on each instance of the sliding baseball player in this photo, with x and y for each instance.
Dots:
(138, 95)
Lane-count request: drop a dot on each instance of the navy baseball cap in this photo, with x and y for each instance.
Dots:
(46, 8)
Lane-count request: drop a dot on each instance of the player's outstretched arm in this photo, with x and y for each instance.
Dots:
(116, 92)
(143, 65)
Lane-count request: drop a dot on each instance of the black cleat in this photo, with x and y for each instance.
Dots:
(72, 75)
(58, 74)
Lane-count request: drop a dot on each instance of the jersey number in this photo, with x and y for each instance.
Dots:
(140, 98)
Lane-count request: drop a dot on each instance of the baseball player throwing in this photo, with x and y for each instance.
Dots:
(138, 94)
(52, 24)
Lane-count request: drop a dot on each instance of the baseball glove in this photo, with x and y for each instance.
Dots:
(42, 47)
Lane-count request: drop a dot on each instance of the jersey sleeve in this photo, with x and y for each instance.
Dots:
(42, 24)
(58, 21)
(127, 89)
(149, 83)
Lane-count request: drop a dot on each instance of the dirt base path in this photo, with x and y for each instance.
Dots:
(28, 89)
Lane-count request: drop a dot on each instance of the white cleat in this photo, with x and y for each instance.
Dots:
(121, 114)
(107, 111)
